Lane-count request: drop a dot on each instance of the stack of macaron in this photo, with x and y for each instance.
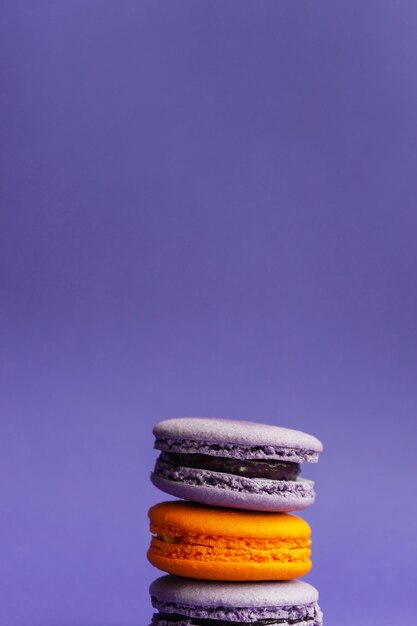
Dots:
(231, 547)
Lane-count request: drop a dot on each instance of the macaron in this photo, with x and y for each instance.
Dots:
(212, 543)
(185, 602)
(233, 463)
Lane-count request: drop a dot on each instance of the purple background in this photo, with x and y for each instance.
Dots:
(207, 208)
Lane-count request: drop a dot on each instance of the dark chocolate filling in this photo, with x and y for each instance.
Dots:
(174, 617)
(273, 470)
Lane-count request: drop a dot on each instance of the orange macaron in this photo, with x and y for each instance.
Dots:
(225, 544)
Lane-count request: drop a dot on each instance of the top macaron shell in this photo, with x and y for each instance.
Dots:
(235, 439)
(239, 432)
(190, 592)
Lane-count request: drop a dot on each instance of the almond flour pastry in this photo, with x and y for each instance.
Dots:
(210, 543)
(184, 602)
(233, 463)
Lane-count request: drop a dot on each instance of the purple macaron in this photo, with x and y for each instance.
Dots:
(233, 463)
(185, 602)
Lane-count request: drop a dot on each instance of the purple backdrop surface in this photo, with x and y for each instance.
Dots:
(207, 208)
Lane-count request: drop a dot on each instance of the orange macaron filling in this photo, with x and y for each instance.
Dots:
(221, 544)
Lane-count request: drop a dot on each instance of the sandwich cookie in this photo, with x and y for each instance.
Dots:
(184, 602)
(221, 544)
(234, 464)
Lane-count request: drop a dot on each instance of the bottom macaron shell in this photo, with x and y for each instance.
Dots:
(291, 498)
(230, 571)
